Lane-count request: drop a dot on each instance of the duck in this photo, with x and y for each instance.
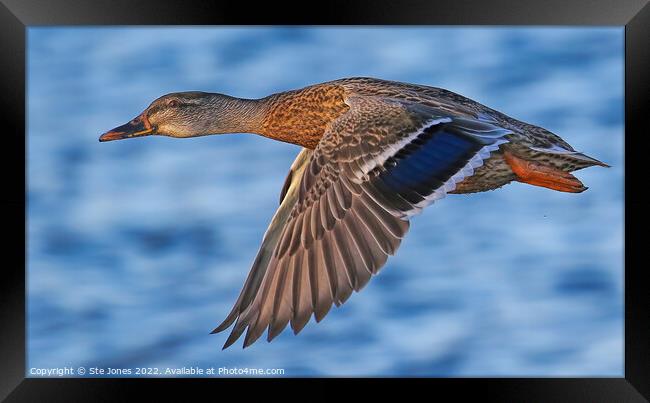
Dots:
(374, 154)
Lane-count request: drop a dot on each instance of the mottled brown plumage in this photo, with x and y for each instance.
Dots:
(375, 154)
(301, 116)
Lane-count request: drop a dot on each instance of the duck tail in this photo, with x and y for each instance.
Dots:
(580, 160)
(588, 161)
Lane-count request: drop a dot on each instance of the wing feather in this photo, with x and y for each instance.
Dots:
(347, 205)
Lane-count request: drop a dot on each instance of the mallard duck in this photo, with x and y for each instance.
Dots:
(375, 153)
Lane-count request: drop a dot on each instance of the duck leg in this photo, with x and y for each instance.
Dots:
(536, 174)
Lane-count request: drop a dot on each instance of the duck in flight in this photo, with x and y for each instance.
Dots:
(375, 153)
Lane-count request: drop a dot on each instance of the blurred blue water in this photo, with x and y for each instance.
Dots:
(138, 248)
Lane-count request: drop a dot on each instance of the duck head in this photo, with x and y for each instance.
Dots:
(189, 114)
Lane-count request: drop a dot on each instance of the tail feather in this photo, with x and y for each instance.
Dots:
(589, 161)
(584, 161)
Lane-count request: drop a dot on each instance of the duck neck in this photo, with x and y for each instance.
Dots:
(298, 117)
(236, 115)
(272, 117)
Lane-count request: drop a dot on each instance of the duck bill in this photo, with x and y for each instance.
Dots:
(138, 127)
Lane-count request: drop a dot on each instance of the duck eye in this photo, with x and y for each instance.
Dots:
(173, 103)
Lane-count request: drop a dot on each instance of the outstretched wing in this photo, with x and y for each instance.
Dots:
(347, 207)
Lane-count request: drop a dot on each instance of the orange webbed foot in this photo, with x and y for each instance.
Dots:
(537, 174)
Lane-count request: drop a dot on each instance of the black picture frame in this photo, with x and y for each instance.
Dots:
(17, 15)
